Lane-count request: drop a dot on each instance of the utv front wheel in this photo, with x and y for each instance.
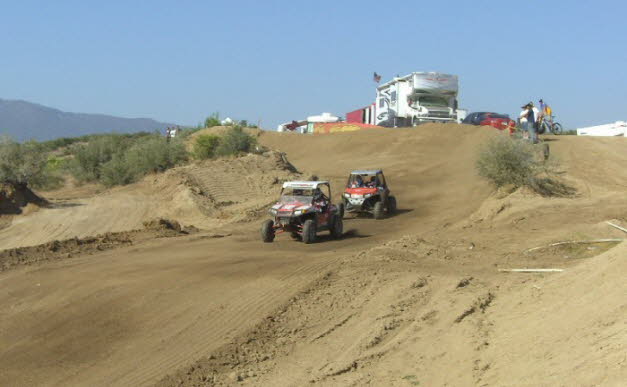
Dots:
(378, 210)
(391, 205)
(337, 229)
(309, 231)
(267, 231)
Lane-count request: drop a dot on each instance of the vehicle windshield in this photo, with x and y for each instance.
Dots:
(296, 195)
(432, 100)
(363, 181)
(496, 115)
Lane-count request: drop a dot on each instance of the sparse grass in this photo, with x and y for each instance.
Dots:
(512, 161)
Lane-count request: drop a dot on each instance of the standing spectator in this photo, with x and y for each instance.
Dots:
(167, 134)
(528, 119)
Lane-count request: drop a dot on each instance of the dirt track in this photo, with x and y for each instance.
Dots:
(407, 300)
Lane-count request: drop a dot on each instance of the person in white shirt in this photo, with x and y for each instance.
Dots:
(528, 119)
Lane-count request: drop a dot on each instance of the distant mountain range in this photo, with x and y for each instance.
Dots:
(24, 120)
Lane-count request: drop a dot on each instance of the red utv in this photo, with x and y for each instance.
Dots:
(367, 191)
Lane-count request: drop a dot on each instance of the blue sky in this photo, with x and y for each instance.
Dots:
(275, 61)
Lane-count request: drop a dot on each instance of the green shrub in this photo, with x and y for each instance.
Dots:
(116, 172)
(212, 120)
(154, 154)
(21, 162)
(205, 146)
(235, 141)
(98, 151)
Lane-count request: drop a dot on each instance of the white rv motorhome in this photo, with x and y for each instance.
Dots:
(417, 98)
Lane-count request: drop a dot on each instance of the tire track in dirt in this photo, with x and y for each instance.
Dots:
(243, 306)
(239, 313)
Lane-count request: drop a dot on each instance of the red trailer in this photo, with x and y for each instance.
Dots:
(365, 115)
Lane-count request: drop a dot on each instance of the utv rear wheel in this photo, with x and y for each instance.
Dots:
(337, 229)
(309, 231)
(391, 205)
(267, 231)
(378, 210)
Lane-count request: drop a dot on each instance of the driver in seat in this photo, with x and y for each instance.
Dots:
(320, 200)
(374, 182)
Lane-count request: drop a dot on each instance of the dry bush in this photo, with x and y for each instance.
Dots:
(510, 161)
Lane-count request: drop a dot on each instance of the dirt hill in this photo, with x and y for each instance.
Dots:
(15, 197)
(209, 195)
(415, 299)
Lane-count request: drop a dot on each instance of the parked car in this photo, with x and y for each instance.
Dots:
(496, 120)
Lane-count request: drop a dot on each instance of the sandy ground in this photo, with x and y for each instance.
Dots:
(415, 299)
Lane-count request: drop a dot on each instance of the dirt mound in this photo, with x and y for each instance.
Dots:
(430, 169)
(162, 224)
(566, 329)
(61, 249)
(234, 189)
(399, 313)
(416, 298)
(15, 197)
(208, 194)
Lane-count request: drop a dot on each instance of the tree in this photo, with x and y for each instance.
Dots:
(21, 163)
(212, 120)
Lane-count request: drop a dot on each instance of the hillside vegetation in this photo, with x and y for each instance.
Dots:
(112, 159)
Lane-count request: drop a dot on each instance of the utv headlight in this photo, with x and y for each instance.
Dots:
(299, 212)
(347, 195)
(273, 211)
(367, 195)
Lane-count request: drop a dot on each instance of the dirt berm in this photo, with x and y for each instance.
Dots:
(209, 195)
(414, 299)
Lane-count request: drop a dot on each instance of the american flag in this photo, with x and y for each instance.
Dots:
(376, 77)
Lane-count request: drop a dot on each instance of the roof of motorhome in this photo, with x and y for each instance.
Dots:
(304, 184)
(408, 76)
(366, 172)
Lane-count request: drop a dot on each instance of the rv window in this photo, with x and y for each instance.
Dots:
(381, 102)
(393, 97)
